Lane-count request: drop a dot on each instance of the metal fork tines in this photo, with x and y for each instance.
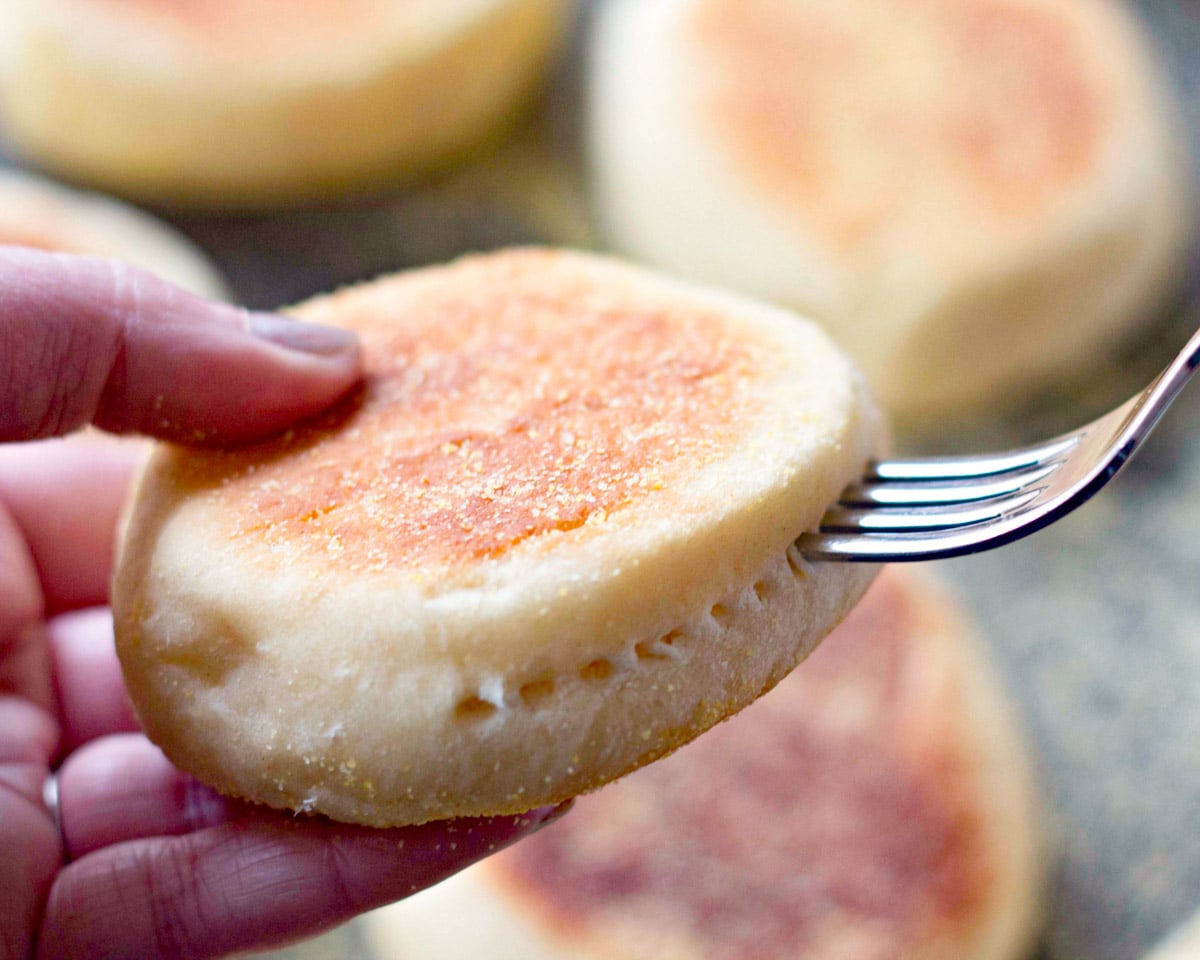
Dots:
(931, 508)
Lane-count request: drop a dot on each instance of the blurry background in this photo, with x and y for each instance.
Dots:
(1094, 622)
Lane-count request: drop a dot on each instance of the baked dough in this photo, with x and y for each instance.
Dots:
(248, 103)
(35, 212)
(877, 804)
(1183, 943)
(548, 543)
(973, 196)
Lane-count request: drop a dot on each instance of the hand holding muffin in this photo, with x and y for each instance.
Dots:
(141, 846)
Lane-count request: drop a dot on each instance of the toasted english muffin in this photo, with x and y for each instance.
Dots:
(35, 212)
(877, 804)
(250, 103)
(549, 541)
(973, 196)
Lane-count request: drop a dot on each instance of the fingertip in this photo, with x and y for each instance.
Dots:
(92, 699)
(431, 852)
(542, 817)
(102, 341)
(311, 339)
(121, 788)
(228, 376)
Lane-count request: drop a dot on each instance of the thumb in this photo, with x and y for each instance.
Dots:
(84, 339)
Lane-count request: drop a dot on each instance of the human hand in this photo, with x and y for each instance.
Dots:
(144, 861)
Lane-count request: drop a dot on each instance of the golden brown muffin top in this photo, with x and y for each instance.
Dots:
(505, 401)
(860, 113)
(277, 29)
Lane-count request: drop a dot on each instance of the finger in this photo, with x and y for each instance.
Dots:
(24, 663)
(122, 788)
(28, 739)
(91, 695)
(89, 339)
(65, 496)
(253, 883)
(29, 849)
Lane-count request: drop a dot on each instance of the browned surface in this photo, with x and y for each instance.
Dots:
(829, 809)
(500, 406)
(997, 105)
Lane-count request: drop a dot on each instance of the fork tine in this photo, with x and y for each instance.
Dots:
(966, 468)
(839, 519)
(929, 509)
(888, 547)
(913, 493)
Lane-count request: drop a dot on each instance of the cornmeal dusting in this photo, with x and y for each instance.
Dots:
(493, 413)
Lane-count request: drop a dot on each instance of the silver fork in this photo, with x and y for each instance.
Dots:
(936, 507)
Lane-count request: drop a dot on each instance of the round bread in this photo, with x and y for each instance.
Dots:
(39, 213)
(973, 196)
(877, 804)
(257, 102)
(548, 542)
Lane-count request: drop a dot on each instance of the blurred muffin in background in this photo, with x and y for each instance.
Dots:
(254, 103)
(974, 196)
(1183, 943)
(877, 804)
(35, 212)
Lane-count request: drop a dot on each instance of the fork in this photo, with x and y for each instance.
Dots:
(937, 507)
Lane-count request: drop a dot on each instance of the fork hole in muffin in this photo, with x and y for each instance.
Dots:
(474, 709)
(793, 562)
(659, 649)
(597, 670)
(535, 691)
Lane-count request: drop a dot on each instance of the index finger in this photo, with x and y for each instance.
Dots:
(65, 496)
(95, 340)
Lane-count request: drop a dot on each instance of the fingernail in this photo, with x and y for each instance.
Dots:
(542, 817)
(312, 338)
(202, 806)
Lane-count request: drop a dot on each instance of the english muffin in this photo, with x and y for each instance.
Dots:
(877, 804)
(549, 541)
(35, 212)
(248, 103)
(973, 196)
